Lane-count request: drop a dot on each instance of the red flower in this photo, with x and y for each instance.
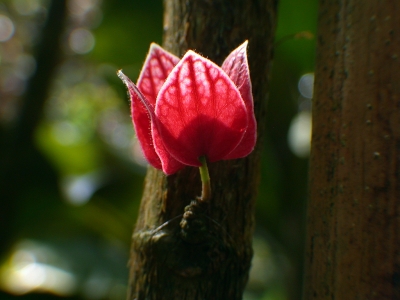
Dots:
(186, 108)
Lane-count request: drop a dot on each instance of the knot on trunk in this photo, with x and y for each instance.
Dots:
(195, 222)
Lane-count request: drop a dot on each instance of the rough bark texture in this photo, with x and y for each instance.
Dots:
(353, 243)
(208, 254)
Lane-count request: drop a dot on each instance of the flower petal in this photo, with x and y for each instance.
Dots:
(200, 111)
(169, 164)
(141, 111)
(237, 68)
(155, 71)
(147, 132)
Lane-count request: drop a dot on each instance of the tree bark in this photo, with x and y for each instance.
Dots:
(208, 254)
(353, 243)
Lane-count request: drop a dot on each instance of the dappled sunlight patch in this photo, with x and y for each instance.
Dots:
(29, 269)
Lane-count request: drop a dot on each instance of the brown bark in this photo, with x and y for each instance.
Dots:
(353, 243)
(211, 259)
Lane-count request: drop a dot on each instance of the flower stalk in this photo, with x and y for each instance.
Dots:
(205, 180)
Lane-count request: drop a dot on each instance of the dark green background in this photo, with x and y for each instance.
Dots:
(85, 133)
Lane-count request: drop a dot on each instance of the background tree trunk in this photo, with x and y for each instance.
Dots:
(216, 265)
(353, 244)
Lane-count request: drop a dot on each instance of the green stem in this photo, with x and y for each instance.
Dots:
(205, 180)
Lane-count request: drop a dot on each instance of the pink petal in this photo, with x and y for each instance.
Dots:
(155, 71)
(169, 164)
(143, 114)
(237, 68)
(200, 111)
(142, 110)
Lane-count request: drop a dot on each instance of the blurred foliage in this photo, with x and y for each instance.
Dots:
(74, 186)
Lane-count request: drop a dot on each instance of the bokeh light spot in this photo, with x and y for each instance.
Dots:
(6, 28)
(299, 135)
(306, 85)
(80, 7)
(79, 189)
(81, 41)
(27, 271)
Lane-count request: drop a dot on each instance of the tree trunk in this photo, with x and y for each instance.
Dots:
(214, 262)
(353, 243)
